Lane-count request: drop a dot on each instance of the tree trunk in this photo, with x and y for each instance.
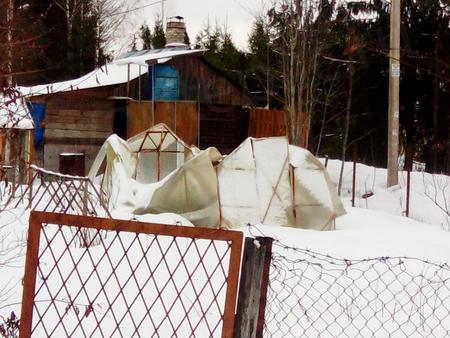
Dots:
(346, 124)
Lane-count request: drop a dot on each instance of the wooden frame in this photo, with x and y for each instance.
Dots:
(37, 219)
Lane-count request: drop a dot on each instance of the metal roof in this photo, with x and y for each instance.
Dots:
(115, 72)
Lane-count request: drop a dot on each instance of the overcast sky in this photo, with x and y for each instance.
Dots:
(238, 15)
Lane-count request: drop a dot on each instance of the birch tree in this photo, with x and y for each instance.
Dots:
(296, 37)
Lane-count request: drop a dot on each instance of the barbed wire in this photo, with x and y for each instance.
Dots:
(315, 294)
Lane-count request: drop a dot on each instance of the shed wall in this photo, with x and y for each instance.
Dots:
(180, 116)
(76, 122)
(200, 81)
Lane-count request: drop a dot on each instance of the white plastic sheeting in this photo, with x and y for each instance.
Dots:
(190, 191)
(145, 158)
(264, 181)
(276, 184)
(317, 203)
(254, 183)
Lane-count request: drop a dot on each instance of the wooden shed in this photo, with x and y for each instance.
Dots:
(16, 138)
(173, 85)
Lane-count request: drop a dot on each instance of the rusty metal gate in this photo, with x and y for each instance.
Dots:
(142, 279)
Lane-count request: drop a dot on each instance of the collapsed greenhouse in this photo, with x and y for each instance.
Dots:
(263, 181)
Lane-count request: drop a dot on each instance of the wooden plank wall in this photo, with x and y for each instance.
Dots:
(180, 116)
(223, 126)
(139, 117)
(82, 129)
(266, 123)
(201, 82)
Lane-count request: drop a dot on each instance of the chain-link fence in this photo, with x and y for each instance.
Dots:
(311, 294)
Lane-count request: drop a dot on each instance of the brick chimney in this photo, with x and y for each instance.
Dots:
(175, 32)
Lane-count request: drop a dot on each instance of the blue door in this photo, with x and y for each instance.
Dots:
(166, 83)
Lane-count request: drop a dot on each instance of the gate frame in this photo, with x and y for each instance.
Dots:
(38, 218)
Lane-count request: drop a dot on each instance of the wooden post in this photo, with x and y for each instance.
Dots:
(159, 164)
(409, 159)
(30, 152)
(355, 157)
(29, 280)
(85, 197)
(139, 83)
(198, 115)
(153, 92)
(30, 185)
(249, 322)
(128, 80)
(408, 189)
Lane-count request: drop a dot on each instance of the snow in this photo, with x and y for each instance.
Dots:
(376, 227)
(107, 75)
(113, 73)
(15, 114)
(53, 173)
(71, 154)
(425, 188)
(362, 234)
(158, 55)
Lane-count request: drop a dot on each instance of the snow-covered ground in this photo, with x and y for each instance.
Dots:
(375, 227)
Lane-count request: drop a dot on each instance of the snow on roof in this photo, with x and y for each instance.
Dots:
(158, 55)
(14, 113)
(113, 73)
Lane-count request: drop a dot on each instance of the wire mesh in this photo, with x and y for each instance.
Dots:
(311, 294)
(55, 192)
(162, 281)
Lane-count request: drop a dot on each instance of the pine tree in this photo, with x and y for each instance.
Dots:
(261, 63)
(158, 37)
(133, 43)
(187, 41)
(221, 52)
(146, 36)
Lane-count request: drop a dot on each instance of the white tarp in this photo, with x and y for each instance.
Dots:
(276, 184)
(190, 191)
(317, 203)
(263, 181)
(259, 174)
(142, 159)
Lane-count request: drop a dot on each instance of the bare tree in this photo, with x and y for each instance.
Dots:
(110, 16)
(437, 190)
(297, 41)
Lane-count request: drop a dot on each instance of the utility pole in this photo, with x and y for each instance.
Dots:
(394, 94)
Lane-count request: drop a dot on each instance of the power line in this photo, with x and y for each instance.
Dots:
(137, 8)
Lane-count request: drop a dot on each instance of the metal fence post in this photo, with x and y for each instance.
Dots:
(249, 322)
(355, 158)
